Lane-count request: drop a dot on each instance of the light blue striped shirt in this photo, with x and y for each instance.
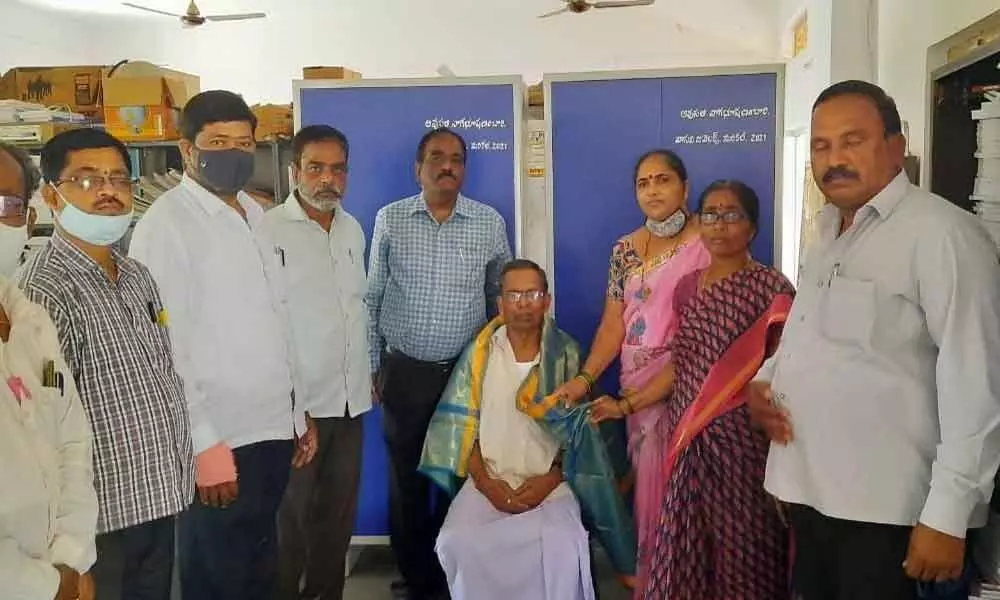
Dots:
(430, 285)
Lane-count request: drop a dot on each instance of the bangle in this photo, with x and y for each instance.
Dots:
(625, 407)
(587, 379)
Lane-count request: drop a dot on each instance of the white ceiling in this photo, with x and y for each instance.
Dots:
(115, 7)
(769, 8)
(405, 38)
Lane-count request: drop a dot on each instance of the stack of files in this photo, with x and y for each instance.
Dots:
(14, 112)
(986, 190)
(987, 592)
(149, 188)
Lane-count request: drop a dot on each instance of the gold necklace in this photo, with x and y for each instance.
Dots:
(644, 291)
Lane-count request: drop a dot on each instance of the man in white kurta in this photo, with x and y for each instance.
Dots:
(514, 530)
(48, 506)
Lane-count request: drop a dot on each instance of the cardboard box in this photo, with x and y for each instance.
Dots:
(78, 88)
(330, 73)
(274, 122)
(143, 102)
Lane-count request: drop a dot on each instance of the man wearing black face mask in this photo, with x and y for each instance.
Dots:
(220, 274)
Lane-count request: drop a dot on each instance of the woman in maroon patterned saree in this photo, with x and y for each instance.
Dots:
(719, 535)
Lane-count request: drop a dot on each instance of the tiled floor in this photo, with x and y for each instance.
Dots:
(374, 571)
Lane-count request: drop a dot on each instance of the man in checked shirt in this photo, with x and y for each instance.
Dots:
(435, 271)
(113, 334)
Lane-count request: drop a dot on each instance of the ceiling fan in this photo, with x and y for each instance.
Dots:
(579, 6)
(193, 16)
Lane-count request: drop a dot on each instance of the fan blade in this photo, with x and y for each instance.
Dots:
(152, 10)
(622, 3)
(243, 17)
(554, 13)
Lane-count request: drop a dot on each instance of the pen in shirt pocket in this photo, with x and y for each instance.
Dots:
(280, 252)
(52, 378)
(157, 317)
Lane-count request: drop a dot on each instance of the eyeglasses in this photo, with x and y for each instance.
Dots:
(90, 183)
(515, 296)
(12, 206)
(729, 217)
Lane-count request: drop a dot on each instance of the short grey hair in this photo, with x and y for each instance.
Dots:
(32, 176)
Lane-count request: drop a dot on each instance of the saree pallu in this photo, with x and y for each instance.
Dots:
(587, 464)
(719, 535)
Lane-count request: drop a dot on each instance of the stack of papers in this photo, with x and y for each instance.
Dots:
(151, 187)
(986, 192)
(15, 112)
(987, 592)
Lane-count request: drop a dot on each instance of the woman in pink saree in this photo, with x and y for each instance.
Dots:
(638, 323)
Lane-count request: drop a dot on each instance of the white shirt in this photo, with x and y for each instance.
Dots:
(326, 304)
(48, 506)
(221, 284)
(888, 365)
(513, 445)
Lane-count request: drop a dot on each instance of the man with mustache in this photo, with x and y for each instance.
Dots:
(323, 248)
(113, 333)
(883, 398)
(434, 272)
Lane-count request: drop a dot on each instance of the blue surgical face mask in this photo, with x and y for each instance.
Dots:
(99, 230)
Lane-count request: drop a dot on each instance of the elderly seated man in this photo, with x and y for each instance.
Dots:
(515, 528)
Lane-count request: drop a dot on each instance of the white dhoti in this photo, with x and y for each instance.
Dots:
(542, 554)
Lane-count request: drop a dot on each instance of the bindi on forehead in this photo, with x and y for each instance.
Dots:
(722, 199)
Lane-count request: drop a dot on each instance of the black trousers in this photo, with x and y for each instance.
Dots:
(136, 563)
(316, 518)
(410, 390)
(848, 560)
(231, 553)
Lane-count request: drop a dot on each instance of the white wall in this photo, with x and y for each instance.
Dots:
(394, 38)
(950, 16)
(843, 36)
(854, 40)
(807, 74)
(907, 29)
(905, 33)
(32, 36)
